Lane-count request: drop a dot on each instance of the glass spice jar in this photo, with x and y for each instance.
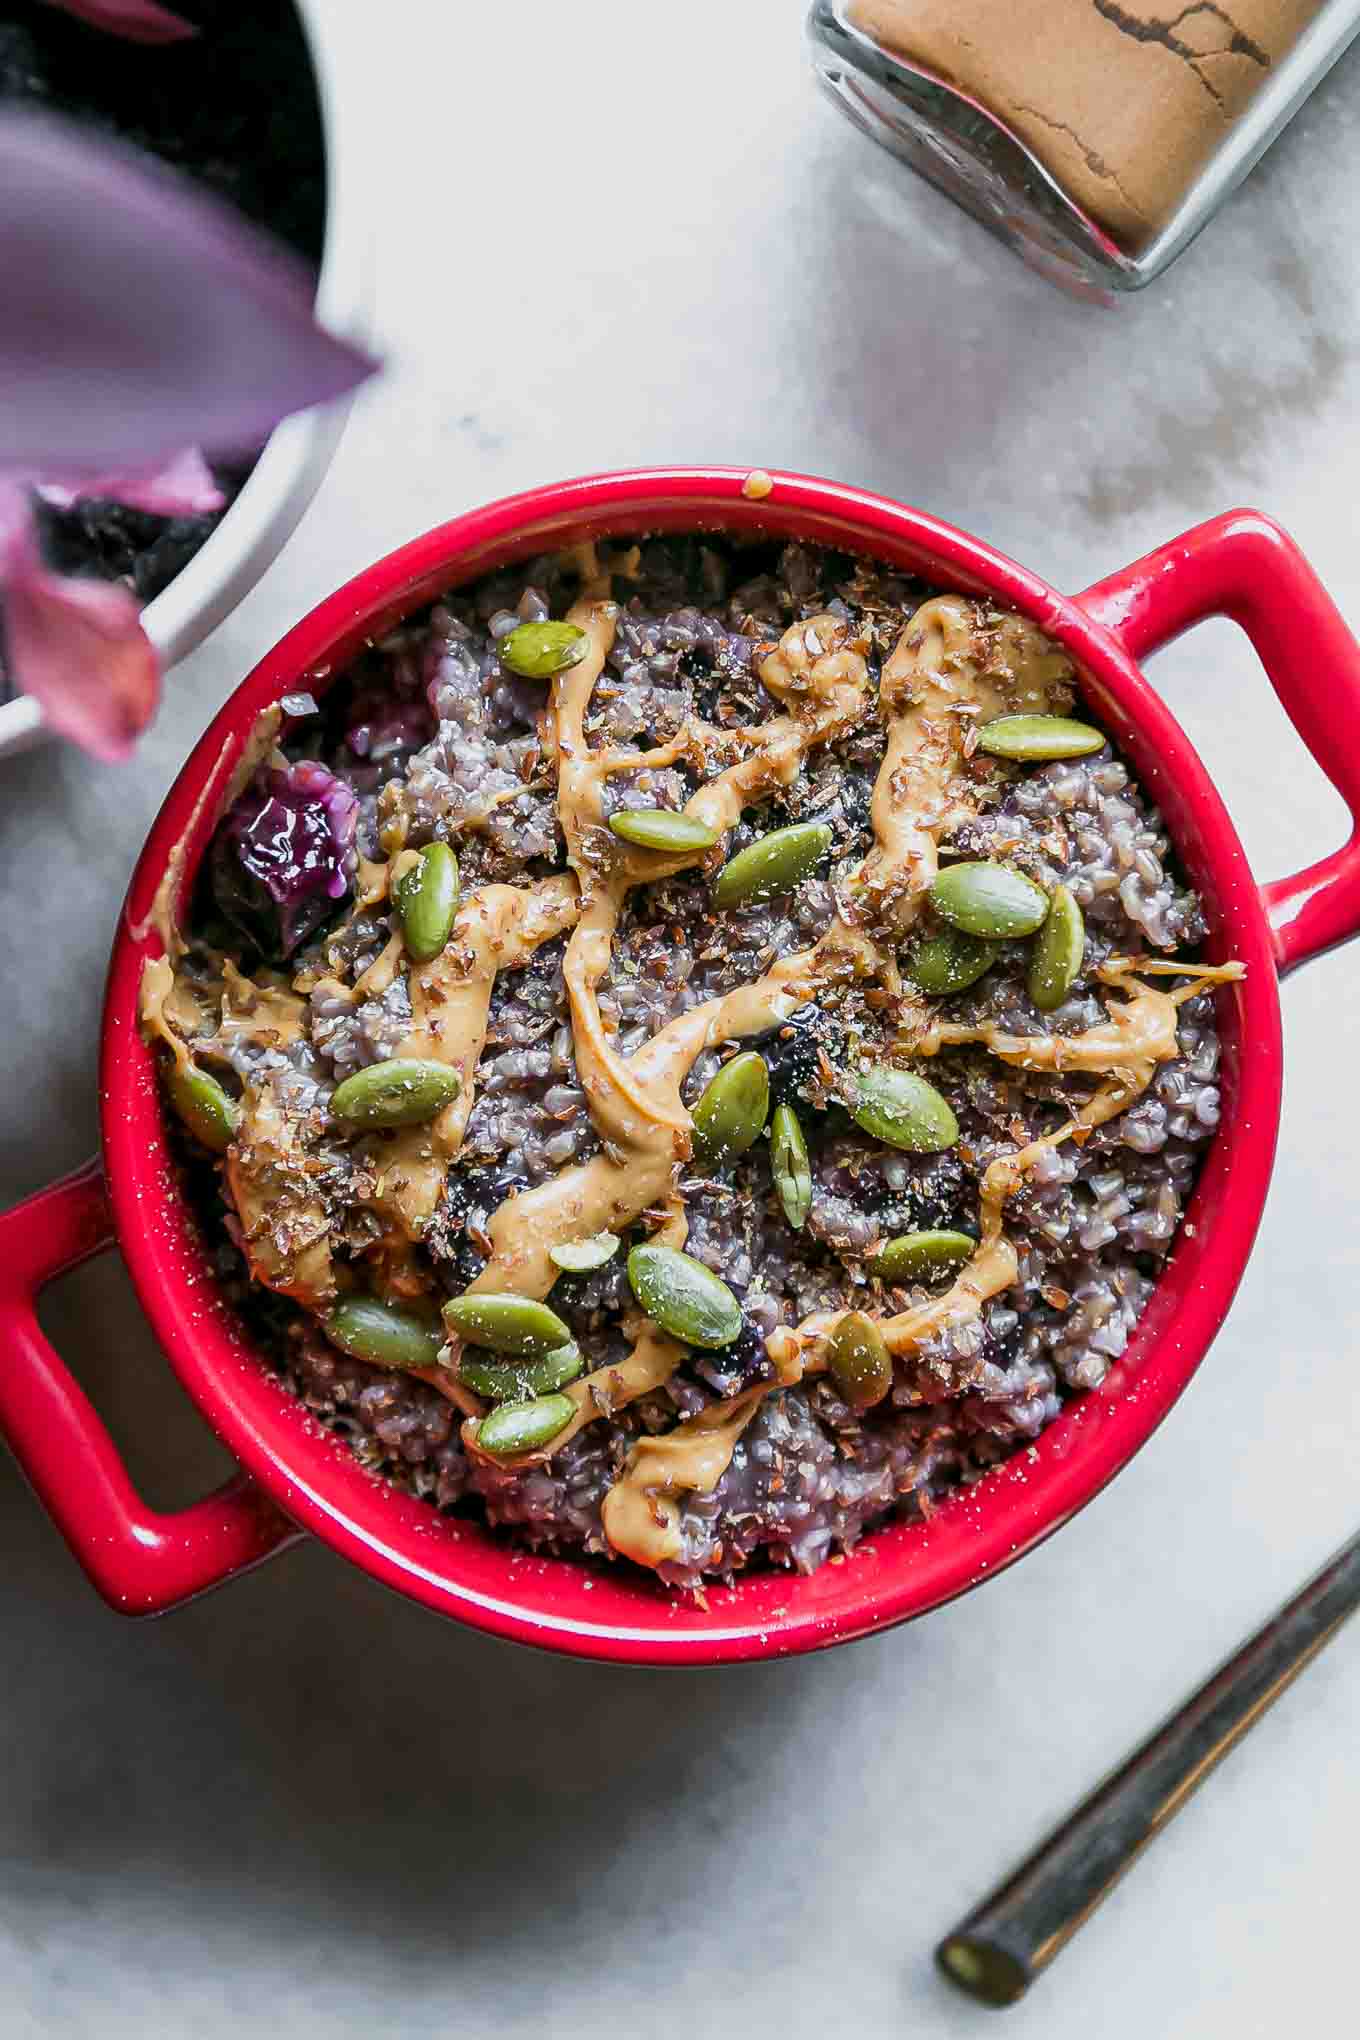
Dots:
(1096, 137)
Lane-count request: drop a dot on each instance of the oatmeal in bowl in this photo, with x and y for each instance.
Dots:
(690, 1049)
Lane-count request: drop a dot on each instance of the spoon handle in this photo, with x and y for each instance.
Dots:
(1010, 1939)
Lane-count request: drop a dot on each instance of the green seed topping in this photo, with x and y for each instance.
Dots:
(1055, 960)
(556, 1369)
(382, 1334)
(860, 1363)
(683, 1297)
(903, 1109)
(774, 864)
(403, 1092)
(510, 1381)
(426, 900)
(950, 962)
(730, 1115)
(507, 1324)
(538, 650)
(657, 828)
(1034, 739)
(211, 1114)
(790, 1167)
(524, 1426)
(922, 1256)
(497, 1380)
(579, 1257)
(988, 899)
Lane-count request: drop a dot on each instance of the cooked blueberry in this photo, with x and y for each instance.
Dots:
(281, 857)
(793, 1054)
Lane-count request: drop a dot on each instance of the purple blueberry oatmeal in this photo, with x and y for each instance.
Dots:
(691, 1049)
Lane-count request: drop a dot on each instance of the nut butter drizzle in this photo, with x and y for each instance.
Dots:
(931, 690)
(285, 1231)
(944, 676)
(635, 1101)
(499, 928)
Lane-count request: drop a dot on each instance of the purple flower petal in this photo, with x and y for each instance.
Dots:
(77, 647)
(284, 854)
(139, 316)
(182, 487)
(136, 20)
(14, 516)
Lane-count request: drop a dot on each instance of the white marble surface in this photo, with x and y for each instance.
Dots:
(622, 234)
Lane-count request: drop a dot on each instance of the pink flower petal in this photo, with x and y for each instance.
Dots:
(182, 487)
(79, 649)
(137, 20)
(138, 316)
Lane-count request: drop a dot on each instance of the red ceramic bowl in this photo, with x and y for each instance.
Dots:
(295, 1477)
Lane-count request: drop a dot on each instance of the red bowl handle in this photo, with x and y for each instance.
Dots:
(1245, 567)
(141, 1561)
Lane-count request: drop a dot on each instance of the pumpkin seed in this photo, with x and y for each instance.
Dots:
(538, 650)
(921, 1256)
(504, 1381)
(427, 900)
(950, 961)
(903, 1109)
(524, 1426)
(557, 1368)
(211, 1114)
(790, 1167)
(860, 1363)
(683, 1297)
(1055, 960)
(655, 828)
(730, 1115)
(772, 865)
(988, 899)
(519, 1325)
(403, 1092)
(578, 1257)
(1032, 739)
(385, 1336)
(497, 1380)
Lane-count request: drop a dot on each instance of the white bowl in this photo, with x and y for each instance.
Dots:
(295, 457)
